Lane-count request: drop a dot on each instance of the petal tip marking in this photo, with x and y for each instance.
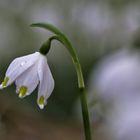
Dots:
(41, 102)
(23, 91)
(4, 83)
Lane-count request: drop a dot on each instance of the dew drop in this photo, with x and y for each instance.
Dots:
(22, 63)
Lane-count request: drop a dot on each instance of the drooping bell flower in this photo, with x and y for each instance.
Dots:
(27, 72)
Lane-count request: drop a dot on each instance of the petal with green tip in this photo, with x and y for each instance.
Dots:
(19, 65)
(29, 79)
(41, 102)
(46, 85)
(4, 83)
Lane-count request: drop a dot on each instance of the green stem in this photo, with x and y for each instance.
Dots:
(85, 114)
(63, 39)
(46, 46)
(68, 45)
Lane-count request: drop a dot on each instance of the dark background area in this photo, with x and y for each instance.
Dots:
(95, 28)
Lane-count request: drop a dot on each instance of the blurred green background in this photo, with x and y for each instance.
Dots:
(95, 28)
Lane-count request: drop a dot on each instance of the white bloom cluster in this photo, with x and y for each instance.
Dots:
(27, 72)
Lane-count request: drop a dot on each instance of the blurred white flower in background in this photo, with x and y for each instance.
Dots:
(123, 122)
(27, 72)
(116, 83)
(118, 76)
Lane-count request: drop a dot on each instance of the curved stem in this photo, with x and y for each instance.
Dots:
(63, 39)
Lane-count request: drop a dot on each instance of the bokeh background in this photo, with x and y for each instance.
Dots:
(96, 29)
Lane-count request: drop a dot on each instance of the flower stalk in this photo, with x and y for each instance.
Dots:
(59, 36)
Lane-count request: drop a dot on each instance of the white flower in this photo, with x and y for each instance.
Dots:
(27, 72)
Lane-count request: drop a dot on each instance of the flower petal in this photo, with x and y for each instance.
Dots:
(27, 81)
(18, 66)
(46, 85)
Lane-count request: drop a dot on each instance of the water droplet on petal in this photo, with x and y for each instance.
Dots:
(22, 63)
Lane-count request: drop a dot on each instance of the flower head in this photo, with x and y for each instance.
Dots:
(27, 72)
